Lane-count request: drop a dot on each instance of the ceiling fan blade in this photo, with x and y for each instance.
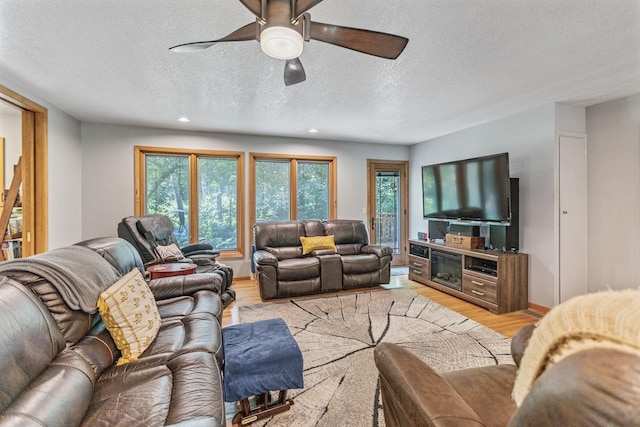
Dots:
(254, 6)
(304, 5)
(248, 32)
(366, 41)
(294, 72)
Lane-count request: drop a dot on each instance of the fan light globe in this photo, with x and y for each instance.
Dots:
(281, 42)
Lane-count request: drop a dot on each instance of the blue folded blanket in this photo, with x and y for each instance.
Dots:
(260, 357)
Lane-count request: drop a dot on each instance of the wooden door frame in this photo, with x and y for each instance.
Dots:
(403, 167)
(35, 209)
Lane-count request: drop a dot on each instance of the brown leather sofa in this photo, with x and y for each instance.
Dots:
(593, 387)
(58, 365)
(283, 271)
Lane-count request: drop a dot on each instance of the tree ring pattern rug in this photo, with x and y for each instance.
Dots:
(338, 333)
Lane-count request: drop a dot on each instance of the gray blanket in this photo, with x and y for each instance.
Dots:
(78, 273)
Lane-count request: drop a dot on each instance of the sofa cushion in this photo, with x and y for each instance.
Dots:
(349, 235)
(194, 332)
(199, 302)
(281, 238)
(25, 324)
(313, 227)
(186, 388)
(316, 243)
(41, 382)
(129, 311)
(298, 269)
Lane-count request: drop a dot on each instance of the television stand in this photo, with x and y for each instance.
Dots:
(495, 280)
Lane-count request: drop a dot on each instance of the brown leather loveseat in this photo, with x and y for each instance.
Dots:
(580, 366)
(58, 361)
(284, 270)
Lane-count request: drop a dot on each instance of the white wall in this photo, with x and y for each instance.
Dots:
(64, 171)
(107, 159)
(613, 177)
(529, 138)
(65, 180)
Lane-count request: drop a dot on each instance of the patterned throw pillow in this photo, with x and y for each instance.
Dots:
(129, 311)
(169, 251)
(310, 244)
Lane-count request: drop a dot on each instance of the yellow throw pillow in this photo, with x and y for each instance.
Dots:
(129, 311)
(310, 244)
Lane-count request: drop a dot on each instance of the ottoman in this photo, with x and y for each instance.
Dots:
(260, 357)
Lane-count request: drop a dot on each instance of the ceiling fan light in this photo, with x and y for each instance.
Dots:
(281, 42)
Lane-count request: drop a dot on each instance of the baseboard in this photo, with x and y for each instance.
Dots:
(539, 308)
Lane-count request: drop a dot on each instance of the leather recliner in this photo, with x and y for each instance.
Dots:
(593, 387)
(147, 232)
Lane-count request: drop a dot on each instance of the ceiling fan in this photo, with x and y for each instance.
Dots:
(282, 26)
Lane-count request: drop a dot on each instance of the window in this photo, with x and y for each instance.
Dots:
(292, 187)
(201, 191)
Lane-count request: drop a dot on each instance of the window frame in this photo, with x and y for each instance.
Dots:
(140, 152)
(293, 178)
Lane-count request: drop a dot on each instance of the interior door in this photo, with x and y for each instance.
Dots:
(34, 189)
(387, 206)
(572, 191)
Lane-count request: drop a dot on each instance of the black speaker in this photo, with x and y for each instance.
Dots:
(507, 237)
(465, 230)
(438, 229)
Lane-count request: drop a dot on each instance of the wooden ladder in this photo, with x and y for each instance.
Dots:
(10, 201)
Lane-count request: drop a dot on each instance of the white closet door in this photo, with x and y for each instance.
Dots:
(572, 191)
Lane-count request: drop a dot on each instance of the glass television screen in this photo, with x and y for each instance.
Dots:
(468, 190)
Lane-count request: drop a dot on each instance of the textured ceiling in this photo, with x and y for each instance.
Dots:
(467, 62)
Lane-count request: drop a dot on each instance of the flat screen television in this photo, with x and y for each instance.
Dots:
(470, 190)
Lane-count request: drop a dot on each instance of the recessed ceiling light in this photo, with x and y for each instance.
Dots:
(313, 130)
(183, 120)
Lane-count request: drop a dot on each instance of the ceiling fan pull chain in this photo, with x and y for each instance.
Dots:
(306, 26)
(263, 12)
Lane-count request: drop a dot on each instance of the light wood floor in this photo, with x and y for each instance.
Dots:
(507, 324)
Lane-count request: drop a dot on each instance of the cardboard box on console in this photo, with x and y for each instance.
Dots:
(464, 242)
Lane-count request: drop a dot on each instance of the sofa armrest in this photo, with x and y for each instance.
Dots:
(197, 247)
(175, 286)
(200, 249)
(264, 258)
(378, 250)
(413, 394)
(519, 342)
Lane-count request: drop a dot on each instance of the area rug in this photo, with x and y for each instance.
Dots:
(399, 271)
(337, 335)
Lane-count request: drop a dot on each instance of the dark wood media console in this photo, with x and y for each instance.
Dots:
(498, 281)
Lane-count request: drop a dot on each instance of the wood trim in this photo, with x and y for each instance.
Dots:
(28, 172)
(138, 181)
(35, 172)
(194, 212)
(2, 170)
(401, 166)
(293, 188)
(293, 159)
(193, 154)
(39, 163)
(539, 308)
